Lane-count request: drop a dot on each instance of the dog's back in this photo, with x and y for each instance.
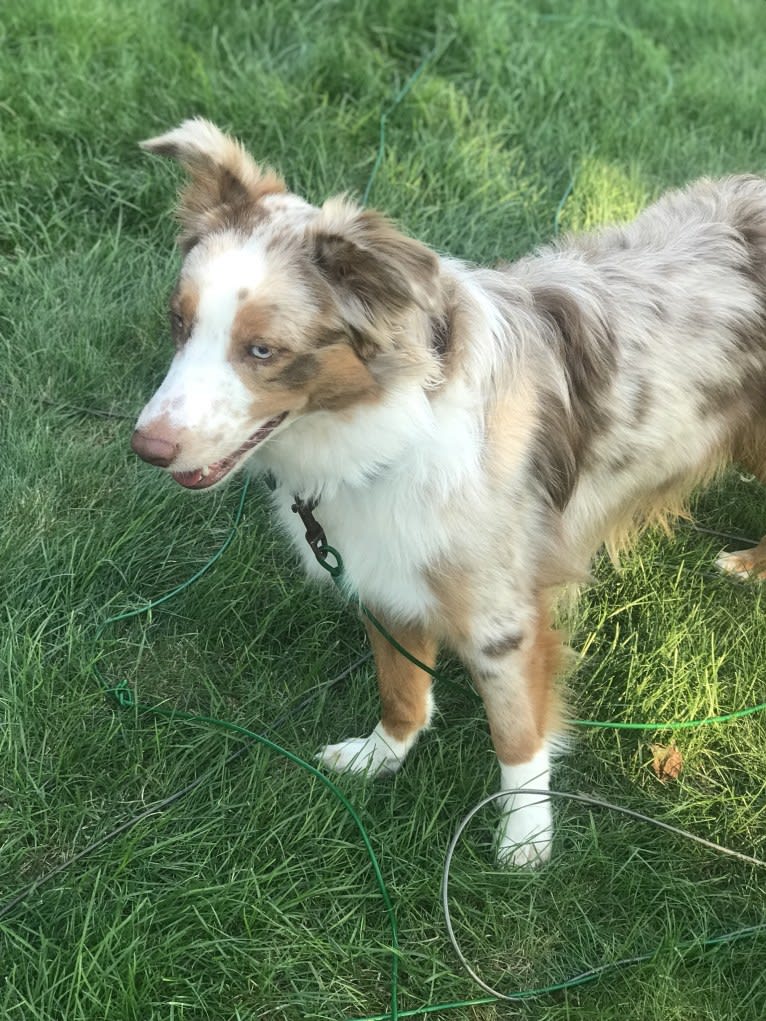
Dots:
(651, 351)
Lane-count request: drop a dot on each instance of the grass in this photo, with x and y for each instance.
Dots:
(252, 897)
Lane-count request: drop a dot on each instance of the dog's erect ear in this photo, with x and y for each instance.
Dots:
(376, 271)
(225, 182)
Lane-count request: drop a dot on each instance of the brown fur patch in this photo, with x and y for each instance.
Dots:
(184, 303)
(374, 261)
(441, 333)
(298, 371)
(329, 336)
(376, 272)
(329, 377)
(750, 449)
(586, 352)
(217, 201)
(450, 330)
(544, 662)
(253, 324)
(403, 686)
(257, 323)
(341, 380)
(503, 645)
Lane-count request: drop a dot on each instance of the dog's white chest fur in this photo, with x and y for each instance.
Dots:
(393, 521)
(385, 538)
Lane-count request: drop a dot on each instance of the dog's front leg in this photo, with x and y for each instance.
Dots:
(405, 694)
(514, 671)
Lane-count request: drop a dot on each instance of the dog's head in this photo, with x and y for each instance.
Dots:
(282, 310)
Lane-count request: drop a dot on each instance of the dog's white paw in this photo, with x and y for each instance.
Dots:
(376, 755)
(742, 564)
(525, 836)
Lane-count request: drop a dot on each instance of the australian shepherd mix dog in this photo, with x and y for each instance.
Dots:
(471, 436)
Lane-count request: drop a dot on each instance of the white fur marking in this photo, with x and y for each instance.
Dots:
(385, 471)
(202, 392)
(526, 830)
(739, 564)
(377, 755)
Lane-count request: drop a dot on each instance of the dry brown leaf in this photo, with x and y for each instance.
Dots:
(667, 762)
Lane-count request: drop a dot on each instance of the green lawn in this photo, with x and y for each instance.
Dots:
(253, 897)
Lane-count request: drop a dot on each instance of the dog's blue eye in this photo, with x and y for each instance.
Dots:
(260, 351)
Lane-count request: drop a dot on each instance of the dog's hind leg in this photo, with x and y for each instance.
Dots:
(515, 673)
(748, 564)
(750, 452)
(405, 694)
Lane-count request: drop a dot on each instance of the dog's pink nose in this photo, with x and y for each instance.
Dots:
(154, 449)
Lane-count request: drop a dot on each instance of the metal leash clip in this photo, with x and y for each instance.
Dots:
(316, 537)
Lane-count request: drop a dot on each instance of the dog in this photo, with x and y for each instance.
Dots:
(468, 437)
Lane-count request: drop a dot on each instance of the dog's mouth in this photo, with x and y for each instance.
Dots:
(203, 478)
